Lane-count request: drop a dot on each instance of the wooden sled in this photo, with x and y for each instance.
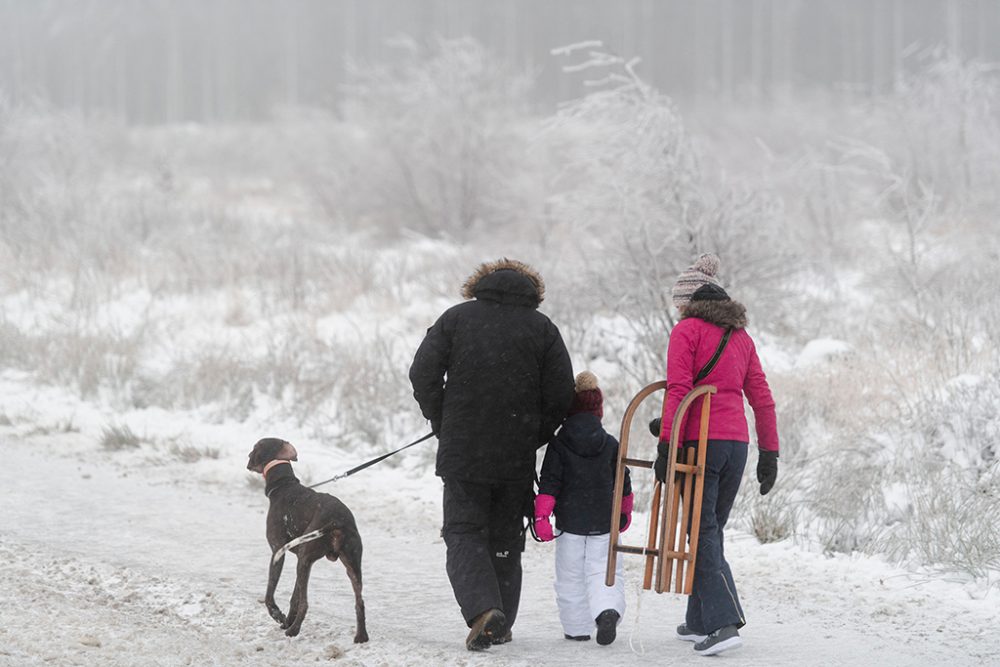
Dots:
(671, 509)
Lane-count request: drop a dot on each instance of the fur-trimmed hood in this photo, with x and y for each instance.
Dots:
(505, 281)
(729, 314)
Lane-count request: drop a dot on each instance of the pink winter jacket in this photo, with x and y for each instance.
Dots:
(693, 342)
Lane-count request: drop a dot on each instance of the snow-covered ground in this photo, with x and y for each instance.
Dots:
(139, 557)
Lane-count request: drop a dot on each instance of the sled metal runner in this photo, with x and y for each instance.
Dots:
(675, 512)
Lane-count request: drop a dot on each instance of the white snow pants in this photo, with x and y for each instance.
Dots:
(581, 566)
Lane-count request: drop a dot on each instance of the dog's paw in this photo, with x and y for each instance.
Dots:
(292, 631)
(278, 616)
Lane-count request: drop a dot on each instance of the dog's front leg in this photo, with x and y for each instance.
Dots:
(274, 573)
(300, 600)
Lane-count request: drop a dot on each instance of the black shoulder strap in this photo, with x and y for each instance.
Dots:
(715, 358)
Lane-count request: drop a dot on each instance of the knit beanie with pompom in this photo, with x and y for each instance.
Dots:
(588, 397)
(702, 272)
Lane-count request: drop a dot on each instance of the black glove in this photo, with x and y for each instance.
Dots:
(767, 469)
(436, 427)
(662, 461)
(660, 468)
(654, 426)
(660, 465)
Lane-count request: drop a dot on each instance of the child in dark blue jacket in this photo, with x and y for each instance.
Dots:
(577, 484)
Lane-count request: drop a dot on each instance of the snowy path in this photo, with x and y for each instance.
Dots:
(106, 561)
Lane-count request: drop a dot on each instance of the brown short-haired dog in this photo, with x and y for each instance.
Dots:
(311, 525)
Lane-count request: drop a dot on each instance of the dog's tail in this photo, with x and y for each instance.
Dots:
(301, 539)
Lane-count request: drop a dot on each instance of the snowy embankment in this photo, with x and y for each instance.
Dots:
(139, 557)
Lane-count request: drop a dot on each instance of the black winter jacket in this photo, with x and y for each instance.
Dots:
(494, 378)
(579, 471)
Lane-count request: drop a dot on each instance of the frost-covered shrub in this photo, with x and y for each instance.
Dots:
(52, 203)
(116, 437)
(772, 521)
(844, 497)
(944, 127)
(373, 391)
(643, 210)
(87, 362)
(965, 430)
(950, 519)
(193, 454)
(438, 141)
(288, 369)
(628, 165)
(215, 377)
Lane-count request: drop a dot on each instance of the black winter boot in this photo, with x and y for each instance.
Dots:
(607, 626)
(489, 624)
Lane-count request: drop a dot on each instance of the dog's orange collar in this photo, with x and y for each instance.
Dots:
(271, 465)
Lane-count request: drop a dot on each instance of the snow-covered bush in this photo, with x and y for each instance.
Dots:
(116, 437)
(439, 146)
(642, 210)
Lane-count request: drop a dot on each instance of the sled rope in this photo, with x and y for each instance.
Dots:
(635, 626)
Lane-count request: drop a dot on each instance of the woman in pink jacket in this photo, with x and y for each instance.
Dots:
(714, 614)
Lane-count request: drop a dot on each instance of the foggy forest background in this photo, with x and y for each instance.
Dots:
(252, 211)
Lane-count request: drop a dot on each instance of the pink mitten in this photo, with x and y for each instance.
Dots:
(544, 504)
(627, 503)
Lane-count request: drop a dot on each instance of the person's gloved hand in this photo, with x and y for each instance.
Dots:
(626, 516)
(544, 504)
(767, 469)
(436, 427)
(655, 425)
(662, 462)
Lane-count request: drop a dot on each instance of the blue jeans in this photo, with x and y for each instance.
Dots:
(713, 602)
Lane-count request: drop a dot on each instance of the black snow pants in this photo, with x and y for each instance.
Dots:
(484, 536)
(713, 602)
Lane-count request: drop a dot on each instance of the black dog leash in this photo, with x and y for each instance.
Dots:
(370, 463)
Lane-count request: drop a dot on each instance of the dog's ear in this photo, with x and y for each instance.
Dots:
(288, 453)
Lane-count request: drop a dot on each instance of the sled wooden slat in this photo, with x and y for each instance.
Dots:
(639, 551)
(685, 507)
(668, 531)
(684, 502)
(675, 512)
(699, 488)
(654, 518)
(616, 500)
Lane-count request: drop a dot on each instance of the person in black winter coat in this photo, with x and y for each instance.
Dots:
(495, 380)
(577, 483)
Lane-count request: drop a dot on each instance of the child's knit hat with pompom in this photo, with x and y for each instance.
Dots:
(702, 272)
(588, 397)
